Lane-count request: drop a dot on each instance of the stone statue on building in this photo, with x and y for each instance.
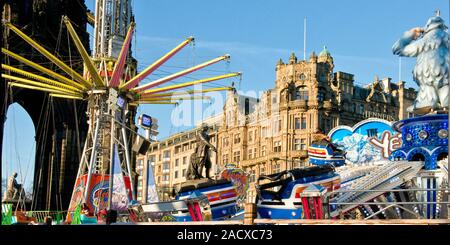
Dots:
(430, 45)
(201, 157)
(14, 190)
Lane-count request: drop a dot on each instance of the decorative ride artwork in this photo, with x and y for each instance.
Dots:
(238, 177)
(369, 140)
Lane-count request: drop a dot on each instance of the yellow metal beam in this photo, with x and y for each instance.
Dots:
(180, 73)
(186, 92)
(49, 56)
(38, 84)
(147, 71)
(90, 18)
(86, 58)
(177, 86)
(66, 96)
(176, 98)
(40, 78)
(43, 69)
(14, 84)
(154, 102)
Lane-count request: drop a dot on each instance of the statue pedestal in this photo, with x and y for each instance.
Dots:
(424, 138)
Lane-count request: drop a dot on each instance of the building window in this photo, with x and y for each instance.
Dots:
(176, 175)
(297, 144)
(225, 158)
(166, 177)
(254, 153)
(177, 162)
(263, 151)
(250, 136)
(252, 177)
(250, 153)
(361, 109)
(237, 138)
(303, 122)
(263, 132)
(262, 170)
(184, 160)
(166, 166)
(276, 168)
(166, 154)
(297, 123)
(159, 179)
(277, 146)
(140, 163)
(184, 172)
(151, 160)
(302, 93)
(236, 156)
(302, 144)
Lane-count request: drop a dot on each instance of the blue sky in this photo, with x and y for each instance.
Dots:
(359, 35)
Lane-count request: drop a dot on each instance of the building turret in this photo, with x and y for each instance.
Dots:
(325, 56)
(293, 58)
(313, 58)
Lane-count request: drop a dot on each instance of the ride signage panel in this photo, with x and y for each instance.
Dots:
(146, 121)
(369, 140)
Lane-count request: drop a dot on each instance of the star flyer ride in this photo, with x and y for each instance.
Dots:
(111, 87)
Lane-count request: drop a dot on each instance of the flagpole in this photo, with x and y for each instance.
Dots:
(304, 39)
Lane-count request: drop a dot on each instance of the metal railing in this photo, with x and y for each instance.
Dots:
(389, 204)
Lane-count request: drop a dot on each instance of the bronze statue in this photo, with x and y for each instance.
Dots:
(13, 189)
(201, 157)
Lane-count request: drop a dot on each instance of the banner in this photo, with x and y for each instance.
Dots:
(98, 193)
(120, 196)
(152, 194)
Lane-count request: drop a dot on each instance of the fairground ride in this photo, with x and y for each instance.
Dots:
(111, 86)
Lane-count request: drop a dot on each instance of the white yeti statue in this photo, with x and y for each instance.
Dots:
(431, 47)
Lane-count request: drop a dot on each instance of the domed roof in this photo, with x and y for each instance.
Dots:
(325, 52)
